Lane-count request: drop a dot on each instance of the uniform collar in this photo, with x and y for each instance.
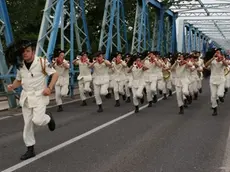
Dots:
(33, 63)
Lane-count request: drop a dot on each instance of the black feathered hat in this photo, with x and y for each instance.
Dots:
(13, 52)
(97, 54)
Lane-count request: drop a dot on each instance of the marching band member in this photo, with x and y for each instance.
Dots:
(118, 66)
(193, 86)
(111, 78)
(101, 78)
(128, 80)
(217, 65)
(181, 81)
(62, 85)
(31, 75)
(150, 77)
(167, 81)
(227, 76)
(198, 76)
(84, 78)
(157, 82)
(138, 83)
(201, 76)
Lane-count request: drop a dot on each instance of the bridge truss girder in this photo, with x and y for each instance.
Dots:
(113, 31)
(209, 18)
(156, 34)
(68, 18)
(6, 73)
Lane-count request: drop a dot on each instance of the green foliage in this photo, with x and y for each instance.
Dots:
(26, 17)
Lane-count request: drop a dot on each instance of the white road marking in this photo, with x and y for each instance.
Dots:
(226, 162)
(75, 139)
(48, 107)
(5, 117)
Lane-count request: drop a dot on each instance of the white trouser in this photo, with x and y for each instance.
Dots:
(137, 94)
(217, 90)
(179, 96)
(84, 87)
(59, 92)
(118, 88)
(111, 83)
(160, 84)
(127, 89)
(151, 87)
(193, 87)
(227, 82)
(199, 84)
(33, 116)
(100, 90)
(167, 85)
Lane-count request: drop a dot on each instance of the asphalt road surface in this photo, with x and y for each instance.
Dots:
(156, 139)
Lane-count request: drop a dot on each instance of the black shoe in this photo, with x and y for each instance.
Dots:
(108, 96)
(51, 124)
(100, 109)
(225, 90)
(181, 110)
(128, 100)
(60, 108)
(200, 90)
(90, 93)
(84, 103)
(165, 97)
(185, 103)
(29, 153)
(170, 93)
(117, 103)
(221, 99)
(195, 96)
(142, 100)
(189, 99)
(124, 97)
(214, 112)
(154, 98)
(136, 109)
(160, 92)
(150, 104)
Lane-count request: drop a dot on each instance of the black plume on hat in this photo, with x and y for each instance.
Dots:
(97, 54)
(84, 52)
(13, 52)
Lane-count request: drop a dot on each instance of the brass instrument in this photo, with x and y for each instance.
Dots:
(166, 73)
(199, 74)
(226, 71)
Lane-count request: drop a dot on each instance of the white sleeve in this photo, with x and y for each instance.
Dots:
(18, 75)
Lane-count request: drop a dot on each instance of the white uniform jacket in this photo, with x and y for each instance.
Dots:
(34, 82)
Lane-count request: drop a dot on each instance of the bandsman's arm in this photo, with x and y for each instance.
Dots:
(173, 67)
(208, 63)
(107, 63)
(16, 83)
(158, 63)
(66, 64)
(50, 71)
(124, 64)
(225, 63)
